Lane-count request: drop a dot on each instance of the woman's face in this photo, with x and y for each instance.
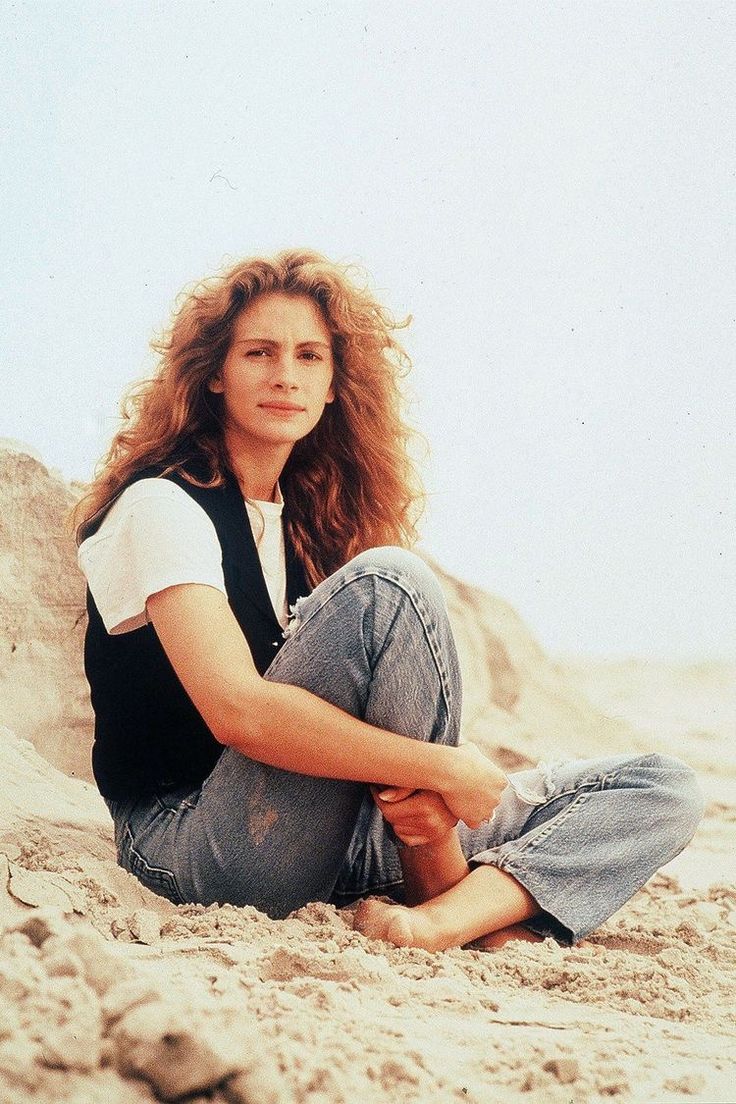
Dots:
(277, 374)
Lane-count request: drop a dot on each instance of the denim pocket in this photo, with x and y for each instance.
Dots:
(156, 878)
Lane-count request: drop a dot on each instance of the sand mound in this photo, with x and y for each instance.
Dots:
(108, 993)
(111, 994)
(43, 695)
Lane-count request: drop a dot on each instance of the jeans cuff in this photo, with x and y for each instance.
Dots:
(551, 920)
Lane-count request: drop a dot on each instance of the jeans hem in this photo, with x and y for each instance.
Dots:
(381, 889)
(504, 858)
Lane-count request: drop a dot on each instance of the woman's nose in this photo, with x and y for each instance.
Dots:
(285, 371)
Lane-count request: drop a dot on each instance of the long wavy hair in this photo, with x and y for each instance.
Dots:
(350, 484)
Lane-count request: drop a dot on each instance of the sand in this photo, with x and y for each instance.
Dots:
(109, 993)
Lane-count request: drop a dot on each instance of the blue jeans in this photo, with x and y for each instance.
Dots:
(375, 640)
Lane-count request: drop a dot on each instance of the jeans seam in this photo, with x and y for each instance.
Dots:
(149, 870)
(432, 643)
(183, 803)
(582, 790)
(544, 830)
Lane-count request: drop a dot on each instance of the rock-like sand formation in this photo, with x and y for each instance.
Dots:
(111, 994)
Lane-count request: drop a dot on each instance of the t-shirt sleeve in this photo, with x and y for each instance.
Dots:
(155, 536)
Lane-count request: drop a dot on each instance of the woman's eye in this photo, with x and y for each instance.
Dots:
(309, 355)
(257, 352)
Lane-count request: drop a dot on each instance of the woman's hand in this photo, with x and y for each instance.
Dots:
(418, 817)
(477, 787)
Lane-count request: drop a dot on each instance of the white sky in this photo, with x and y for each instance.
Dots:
(549, 189)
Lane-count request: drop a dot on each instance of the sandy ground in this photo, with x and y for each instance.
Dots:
(110, 994)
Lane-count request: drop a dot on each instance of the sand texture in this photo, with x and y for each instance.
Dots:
(111, 994)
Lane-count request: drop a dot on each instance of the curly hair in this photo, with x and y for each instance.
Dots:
(350, 483)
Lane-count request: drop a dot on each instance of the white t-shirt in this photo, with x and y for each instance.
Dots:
(156, 536)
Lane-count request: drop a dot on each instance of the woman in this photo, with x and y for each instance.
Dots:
(250, 759)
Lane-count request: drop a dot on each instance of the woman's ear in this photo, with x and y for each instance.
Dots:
(214, 383)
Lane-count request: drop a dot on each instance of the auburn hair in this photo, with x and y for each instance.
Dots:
(350, 484)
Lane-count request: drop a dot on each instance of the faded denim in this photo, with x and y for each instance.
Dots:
(374, 639)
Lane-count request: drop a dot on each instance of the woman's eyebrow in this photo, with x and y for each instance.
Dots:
(272, 341)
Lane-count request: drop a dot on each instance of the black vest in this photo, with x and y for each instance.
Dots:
(148, 734)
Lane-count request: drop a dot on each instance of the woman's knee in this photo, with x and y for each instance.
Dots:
(384, 576)
(385, 601)
(681, 797)
(397, 565)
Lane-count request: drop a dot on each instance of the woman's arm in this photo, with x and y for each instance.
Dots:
(288, 727)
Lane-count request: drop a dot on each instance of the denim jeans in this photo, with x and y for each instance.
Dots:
(375, 640)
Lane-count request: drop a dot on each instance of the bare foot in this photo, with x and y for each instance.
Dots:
(404, 927)
(495, 940)
(485, 900)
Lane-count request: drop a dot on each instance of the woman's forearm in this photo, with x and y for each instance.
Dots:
(291, 728)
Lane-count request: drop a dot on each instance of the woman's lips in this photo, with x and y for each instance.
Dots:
(283, 407)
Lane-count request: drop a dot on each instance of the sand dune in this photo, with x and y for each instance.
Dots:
(108, 993)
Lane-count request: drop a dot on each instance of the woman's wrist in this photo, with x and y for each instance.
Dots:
(450, 770)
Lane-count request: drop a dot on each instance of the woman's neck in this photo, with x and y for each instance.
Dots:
(258, 474)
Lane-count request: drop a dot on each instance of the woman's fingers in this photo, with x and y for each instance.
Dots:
(420, 818)
(392, 793)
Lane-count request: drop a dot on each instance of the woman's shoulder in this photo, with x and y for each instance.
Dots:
(155, 497)
(158, 487)
(154, 536)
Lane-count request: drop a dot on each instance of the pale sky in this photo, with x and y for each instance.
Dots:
(548, 189)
